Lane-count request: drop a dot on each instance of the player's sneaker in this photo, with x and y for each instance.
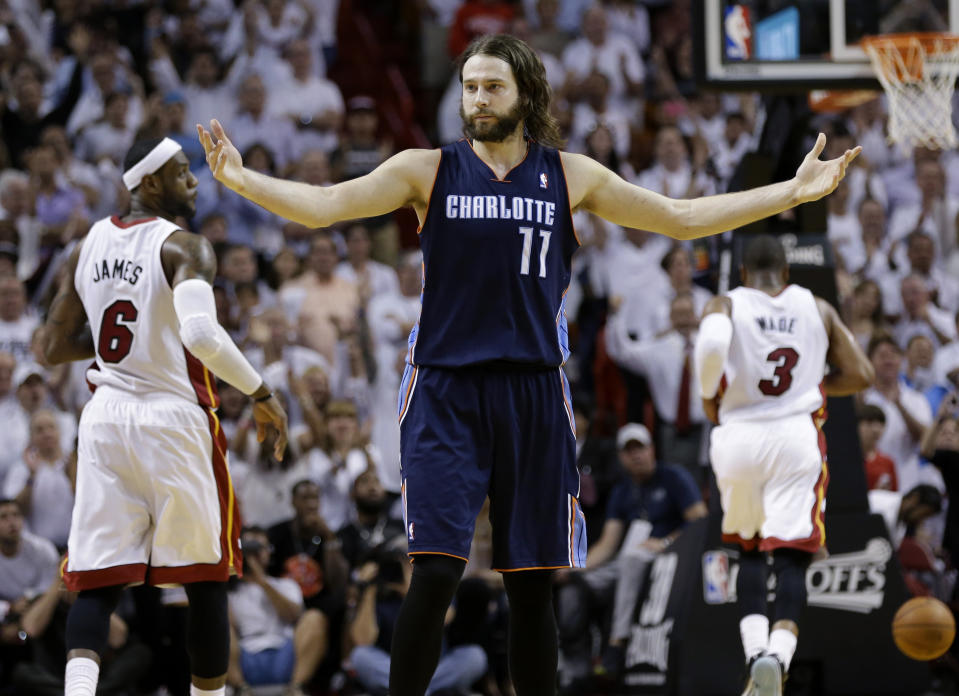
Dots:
(766, 674)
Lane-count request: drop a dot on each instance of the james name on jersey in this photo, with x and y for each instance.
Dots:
(125, 269)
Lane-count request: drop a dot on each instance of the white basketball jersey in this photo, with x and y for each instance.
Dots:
(129, 304)
(777, 359)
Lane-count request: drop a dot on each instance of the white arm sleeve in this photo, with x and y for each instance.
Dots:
(206, 339)
(712, 347)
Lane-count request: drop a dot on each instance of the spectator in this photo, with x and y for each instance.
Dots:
(594, 109)
(907, 411)
(904, 512)
(110, 75)
(645, 514)
(308, 551)
(382, 586)
(207, 94)
(253, 124)
(27, 561)
(475, 18)
(27, 565)
(43, 481)
(548, 37)
(311, 102)
(373, 528)
(610, 53)
(361, 149)
(61, 208)
(666, 363)
(921, 262)
(17, 324)
(22, 125)
(346, 459)
(371, 278)
(110, 137)
(880, 469)
(318, 299)
(865, 312)
(673, 173)
(100, 197)
(678, 265)
(935, 212)
(174, 110)
(277, 642)
(921, 316)
(17, 205)
(919, 355)
(940, 445)
(263, 486)
(875, 243)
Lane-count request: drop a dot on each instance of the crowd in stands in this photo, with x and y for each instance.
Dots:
(325, 314)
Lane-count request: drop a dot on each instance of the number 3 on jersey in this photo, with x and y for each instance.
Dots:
(527, 233)
(116, 338)
(783, 372)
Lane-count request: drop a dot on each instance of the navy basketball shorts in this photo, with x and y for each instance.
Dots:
(469, 433)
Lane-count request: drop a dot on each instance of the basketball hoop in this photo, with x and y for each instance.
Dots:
(918, 72)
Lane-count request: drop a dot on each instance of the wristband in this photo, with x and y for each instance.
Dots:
(266, 397)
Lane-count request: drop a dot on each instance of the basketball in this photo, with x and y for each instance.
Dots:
(923, 628)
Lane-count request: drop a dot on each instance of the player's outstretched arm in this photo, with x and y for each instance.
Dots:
(190, 265)
(66, 334)
(850, 369)
(404, 179)
(604, 193)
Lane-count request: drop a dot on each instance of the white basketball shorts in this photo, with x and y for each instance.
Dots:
(154, 501)
(772, 478)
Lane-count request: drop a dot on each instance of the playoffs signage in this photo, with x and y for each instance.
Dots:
(853, 581)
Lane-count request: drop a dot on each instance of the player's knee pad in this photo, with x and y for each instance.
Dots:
(208, 629)
(88, 623)
(751, 582)
(790, 567)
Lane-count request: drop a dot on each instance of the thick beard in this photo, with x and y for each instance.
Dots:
(500, 130)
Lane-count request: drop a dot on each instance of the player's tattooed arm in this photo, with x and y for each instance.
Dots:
(185, 255)
(65, 336)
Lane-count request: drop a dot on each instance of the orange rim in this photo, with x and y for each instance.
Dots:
(914, 48)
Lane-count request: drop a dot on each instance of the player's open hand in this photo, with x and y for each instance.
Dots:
(817, 178)
(269, 414)
(222, 156)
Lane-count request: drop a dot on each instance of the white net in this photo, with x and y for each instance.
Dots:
(918, 73)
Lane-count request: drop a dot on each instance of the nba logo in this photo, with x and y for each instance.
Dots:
(738, 33)
(411, 531)
(543, 181)
(715, 577)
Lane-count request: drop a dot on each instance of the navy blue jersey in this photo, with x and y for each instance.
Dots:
(496, 262)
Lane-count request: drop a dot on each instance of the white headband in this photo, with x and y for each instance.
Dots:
(157, 157)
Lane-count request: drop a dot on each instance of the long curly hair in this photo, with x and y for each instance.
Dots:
(530, 75)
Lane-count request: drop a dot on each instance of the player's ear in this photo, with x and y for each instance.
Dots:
(150, 183)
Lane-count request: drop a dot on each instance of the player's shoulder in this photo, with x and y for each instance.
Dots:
(415, 159)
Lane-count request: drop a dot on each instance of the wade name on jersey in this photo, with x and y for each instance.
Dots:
(776, 324)
(124, 269)
(501, 208)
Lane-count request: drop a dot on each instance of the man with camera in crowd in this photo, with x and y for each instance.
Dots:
(275, 641)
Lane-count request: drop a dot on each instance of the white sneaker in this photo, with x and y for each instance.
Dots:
(766, 674)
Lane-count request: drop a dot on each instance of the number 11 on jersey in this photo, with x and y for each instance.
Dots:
(527, 233)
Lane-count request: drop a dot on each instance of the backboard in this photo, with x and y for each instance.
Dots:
(798, 45)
